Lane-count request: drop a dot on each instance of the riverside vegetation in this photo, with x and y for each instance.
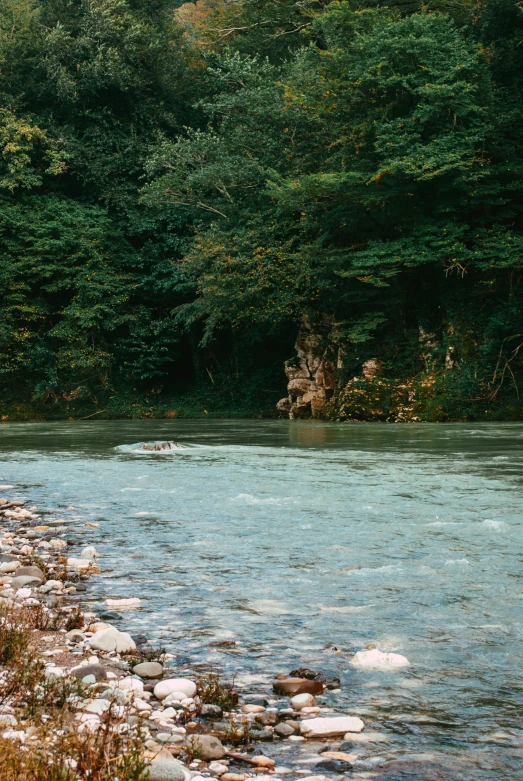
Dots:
(193, 194)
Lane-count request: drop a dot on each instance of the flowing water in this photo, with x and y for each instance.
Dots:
(305, 542)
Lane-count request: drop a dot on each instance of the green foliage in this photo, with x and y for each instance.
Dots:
(181, 184)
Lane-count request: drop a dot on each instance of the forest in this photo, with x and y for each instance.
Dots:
(261, 208)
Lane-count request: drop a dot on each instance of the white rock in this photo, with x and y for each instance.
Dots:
(7, 720)
(130, 684)
(97, 706)
(57, 543)
(89, 552)
(173, 698)
(81, 565)
(141, 705)
(377, 660)
(337, 725)
(133, 602)
(217, 769)
(300, 701)
(182, 685)
(9, 566)
(112, 640)
(23, 593)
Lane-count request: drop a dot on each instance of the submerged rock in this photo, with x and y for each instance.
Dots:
(157, 447)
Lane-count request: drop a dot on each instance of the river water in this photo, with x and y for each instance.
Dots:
(305, 542)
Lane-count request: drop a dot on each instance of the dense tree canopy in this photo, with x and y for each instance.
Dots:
(182, 184)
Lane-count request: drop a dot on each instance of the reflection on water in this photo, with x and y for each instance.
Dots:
(294, 539)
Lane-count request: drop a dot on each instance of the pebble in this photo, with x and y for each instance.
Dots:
(233, 777)
(253, 709)
(300, 701)
(217, 769)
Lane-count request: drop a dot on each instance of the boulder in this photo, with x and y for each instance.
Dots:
(297, 686)
(377, 660)
(206, 747)
(33, 572)
(113, 640)
(148, 670)
(336, 725)
(182, 685)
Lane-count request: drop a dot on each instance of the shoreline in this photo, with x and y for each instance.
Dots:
(127, 687)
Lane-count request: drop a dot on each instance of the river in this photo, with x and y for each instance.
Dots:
(305, 542)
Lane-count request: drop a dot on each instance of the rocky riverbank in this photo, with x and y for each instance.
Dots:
(118, 700)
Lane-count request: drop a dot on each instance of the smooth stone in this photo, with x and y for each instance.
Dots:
(112, 640)
(253, 709)
(209, 711)
(9, 566)
(206, 747)
(284, 729)
(337, 725)
(165, 770)
(82, 565)
(334, 766)
(110, 615)
(90, 669)
(267, 719)
(377, 660)
(97, 706)
(148, 670)
(89, 552)
(217, 769)
(33, 572)
(233, 777)
(261, 734)
(5, 558)
(300, 701)
(25, 581)
(294, 686)
(182, 685)
(364, 737)
(51, 585)
(262, 761)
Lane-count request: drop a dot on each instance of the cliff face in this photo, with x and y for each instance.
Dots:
(311, 376)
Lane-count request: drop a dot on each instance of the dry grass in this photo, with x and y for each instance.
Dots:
(56, 750)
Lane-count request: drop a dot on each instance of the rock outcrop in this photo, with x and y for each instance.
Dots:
(310, 375)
